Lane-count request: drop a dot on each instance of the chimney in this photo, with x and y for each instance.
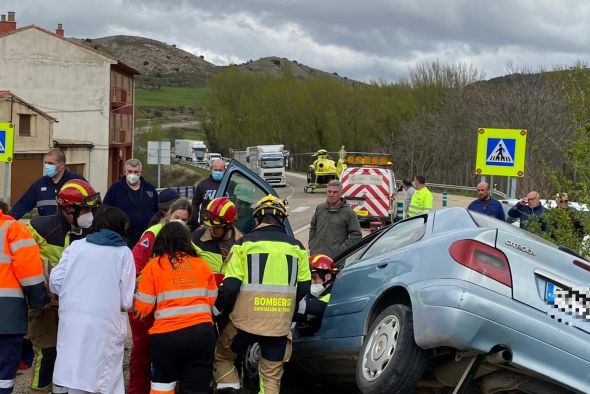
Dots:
(59, 31)
(6, 26)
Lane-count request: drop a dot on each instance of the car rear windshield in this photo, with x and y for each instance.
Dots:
(486, 221)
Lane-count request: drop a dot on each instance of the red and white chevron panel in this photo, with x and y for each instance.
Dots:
(368, 190)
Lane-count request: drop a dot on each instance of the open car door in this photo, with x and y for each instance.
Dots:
(245, 188)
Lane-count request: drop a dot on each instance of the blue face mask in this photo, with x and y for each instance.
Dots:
(217, 175)
(50, 170)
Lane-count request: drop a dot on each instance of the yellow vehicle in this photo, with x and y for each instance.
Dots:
(323, 170)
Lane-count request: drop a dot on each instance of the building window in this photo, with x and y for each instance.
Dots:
(76, 168)
(24, 125)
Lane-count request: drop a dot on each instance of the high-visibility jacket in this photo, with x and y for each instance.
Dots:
(182, 295)
(214, 252)
(421, 202)
(270, 266)
(21, 275)
(53, 234)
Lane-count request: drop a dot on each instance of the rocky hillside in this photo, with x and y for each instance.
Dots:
(163, 64)
(160, 64)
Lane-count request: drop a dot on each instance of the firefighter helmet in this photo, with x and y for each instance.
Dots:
(321, 262)
(220, 212)
(270, 205)
(78, 192)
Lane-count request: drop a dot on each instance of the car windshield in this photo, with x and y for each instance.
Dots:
(272, 163)
(489, 222)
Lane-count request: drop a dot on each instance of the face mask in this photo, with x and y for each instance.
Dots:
(132, 178)
(179, 221)
(85, 220)
(50, 170)
(217, 175)
(316, 289)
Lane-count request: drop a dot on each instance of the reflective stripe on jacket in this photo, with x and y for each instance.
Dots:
(421, 202)
(269, 263)
(182, 296)
(21, 276)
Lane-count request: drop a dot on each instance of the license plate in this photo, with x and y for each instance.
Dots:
(362, 213)
(550, 289)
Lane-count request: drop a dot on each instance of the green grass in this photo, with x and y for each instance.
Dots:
(171, 97)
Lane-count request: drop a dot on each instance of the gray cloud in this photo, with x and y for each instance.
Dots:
(370, 40)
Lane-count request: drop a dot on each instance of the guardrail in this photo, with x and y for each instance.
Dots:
(462, 188)
(183, 191)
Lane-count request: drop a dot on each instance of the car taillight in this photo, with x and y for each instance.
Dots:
(582, 265)
(482, 258)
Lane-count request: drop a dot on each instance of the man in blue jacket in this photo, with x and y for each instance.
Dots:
(529, 210)
(136, 197)
(41, 194)
(486, 204)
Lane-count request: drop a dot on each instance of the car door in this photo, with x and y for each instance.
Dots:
(238, 174)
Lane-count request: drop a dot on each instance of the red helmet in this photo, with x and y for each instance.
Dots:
(321, 262)
(220, 212)
(78, 192)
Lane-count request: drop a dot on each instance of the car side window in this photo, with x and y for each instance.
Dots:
(244, 194)
(400, 235)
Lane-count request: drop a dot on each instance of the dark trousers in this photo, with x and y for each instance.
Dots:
(184, 355)
(10, 349)
(271, 348)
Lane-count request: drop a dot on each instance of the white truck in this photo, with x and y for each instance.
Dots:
(240, 155)
(268, 162)
(190, 150)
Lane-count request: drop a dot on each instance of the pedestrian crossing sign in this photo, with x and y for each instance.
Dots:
(501, 152)
(6, 141)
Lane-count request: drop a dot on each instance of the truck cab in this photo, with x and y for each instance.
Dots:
(268, 162)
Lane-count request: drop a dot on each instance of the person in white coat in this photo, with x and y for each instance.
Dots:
(95, 281)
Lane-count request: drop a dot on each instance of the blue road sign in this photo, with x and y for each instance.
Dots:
(500, 152)
(2, 141)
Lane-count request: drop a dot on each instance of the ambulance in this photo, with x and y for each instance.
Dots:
(368, 187)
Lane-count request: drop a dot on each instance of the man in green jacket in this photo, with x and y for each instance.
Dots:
(334, 226)
(421, 202)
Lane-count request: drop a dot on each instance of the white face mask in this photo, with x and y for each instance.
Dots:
(132, 178)
(179, 221)
(316, 289)
(85, 220)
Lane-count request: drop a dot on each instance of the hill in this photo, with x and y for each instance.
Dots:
(160, 64)
(164, 65)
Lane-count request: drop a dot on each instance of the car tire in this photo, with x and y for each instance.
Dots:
(390, 361)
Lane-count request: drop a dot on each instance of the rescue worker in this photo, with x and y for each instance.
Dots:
(421, 202)
(139, 361)
(215, 239)
(53, 234)
(22, 284)
(267, 275)
(244, 197)
(41, 194)
(181, 288)
(311, 308)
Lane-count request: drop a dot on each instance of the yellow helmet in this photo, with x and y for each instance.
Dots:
(270, 205)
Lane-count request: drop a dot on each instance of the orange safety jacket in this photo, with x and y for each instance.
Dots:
(21, 276)
(182, 294)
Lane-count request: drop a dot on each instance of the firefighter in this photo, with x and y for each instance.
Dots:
(21, 282)
(311, 308)
(53, 234)
(421, 202)
(214, 240)
(267, 275)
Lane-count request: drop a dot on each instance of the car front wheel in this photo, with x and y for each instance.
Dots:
(390, 361)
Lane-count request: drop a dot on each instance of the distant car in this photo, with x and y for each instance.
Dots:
(444, 300)
(209, 157)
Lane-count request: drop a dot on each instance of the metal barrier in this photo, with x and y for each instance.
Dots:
(183, 191)
(462, 188)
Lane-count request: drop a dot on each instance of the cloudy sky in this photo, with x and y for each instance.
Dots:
(362, 39)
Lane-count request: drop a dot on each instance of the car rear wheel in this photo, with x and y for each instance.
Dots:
(390, 361)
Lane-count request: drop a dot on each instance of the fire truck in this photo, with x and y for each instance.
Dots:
(368, 186)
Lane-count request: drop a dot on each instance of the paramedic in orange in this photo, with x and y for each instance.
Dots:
(22, 285)
(181, 288)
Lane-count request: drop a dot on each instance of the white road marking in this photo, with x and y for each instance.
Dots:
(301, 229)
(292, 192)
(300, 209)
